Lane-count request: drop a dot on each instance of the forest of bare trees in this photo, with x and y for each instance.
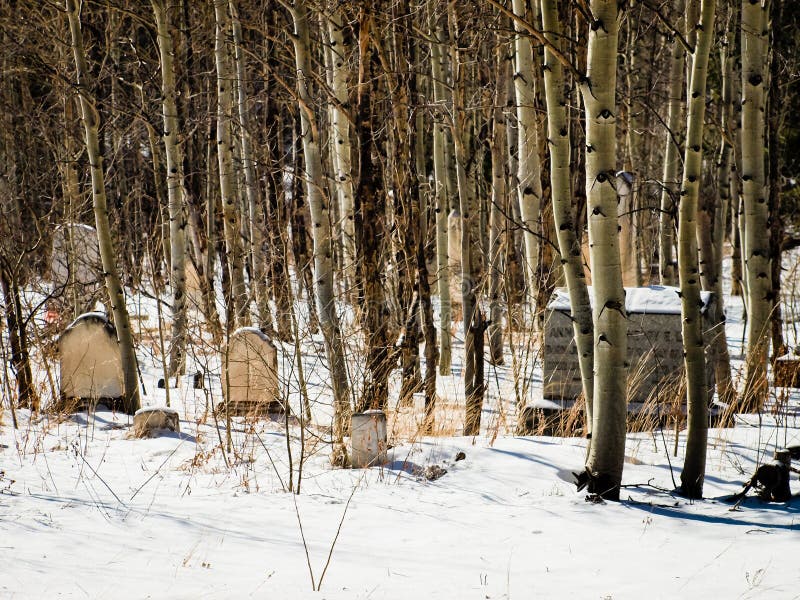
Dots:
(391, 176)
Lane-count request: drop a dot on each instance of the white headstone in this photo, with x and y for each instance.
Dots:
(90, 361)
(368, 439)
(250, 373)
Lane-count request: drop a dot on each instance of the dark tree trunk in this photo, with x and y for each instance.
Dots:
(18, 340)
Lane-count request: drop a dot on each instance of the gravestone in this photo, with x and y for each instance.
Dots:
(250, 374)
(152, 420)
(90, 363)
(368, 444)
(655, 347)
(76, 271)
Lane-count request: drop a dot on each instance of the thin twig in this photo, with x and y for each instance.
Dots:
(305, 545)
(338, 531)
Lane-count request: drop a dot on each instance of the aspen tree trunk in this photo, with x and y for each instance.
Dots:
(176, 190)
(227, 177)
(669, 190)
(498, 204)
(423, 281)
(105, 240)
(529, 178)
(719, 341)
(694, 465)
(630, 233)
(371, 234)
(606, 455)
(321, 229)
(441, 199)
(737, 206)
(756, 209)
(563, 210)
(474, 324)
(18, 341)
(340, 132)
(255, 211)
(782, 45)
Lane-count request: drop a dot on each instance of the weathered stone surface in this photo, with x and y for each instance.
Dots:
(152, 420)
(89, 360)
(655, 348)
(250, 374)
(368, 443)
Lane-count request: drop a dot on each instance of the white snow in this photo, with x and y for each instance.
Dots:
(87, 513)
(655, 299)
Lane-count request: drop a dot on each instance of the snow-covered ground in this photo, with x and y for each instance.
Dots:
(86, 512)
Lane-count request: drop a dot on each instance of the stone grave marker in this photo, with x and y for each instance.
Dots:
(655, 348)
(368, 443)
(152, 420)
(90, 363)
(250, 374)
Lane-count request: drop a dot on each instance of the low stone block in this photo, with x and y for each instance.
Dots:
(368, 442)
(152, 420)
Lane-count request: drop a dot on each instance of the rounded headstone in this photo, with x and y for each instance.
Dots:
(250, 373)
(89, 360)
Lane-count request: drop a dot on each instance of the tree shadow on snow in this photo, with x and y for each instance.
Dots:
(786, 508)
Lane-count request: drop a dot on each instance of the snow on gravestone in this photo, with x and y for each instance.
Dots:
(90, 360)
(655, 348)
(250, 374)
(75, 268)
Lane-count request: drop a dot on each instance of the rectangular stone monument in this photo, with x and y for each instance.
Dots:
(250, 374)
(655, 347)
(90, 362)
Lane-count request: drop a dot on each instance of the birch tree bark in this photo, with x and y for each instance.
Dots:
(563, 211)
(606, 455)
(226, 82)
(105, 240)
(471, 255)
(754, 195)
(176, 190)
(255, 212)
(529, 175)
(441, 199)
(669, 190)
(340, 131)
(694, 464)
(718, 344)
(498, 206)
(321, 230)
